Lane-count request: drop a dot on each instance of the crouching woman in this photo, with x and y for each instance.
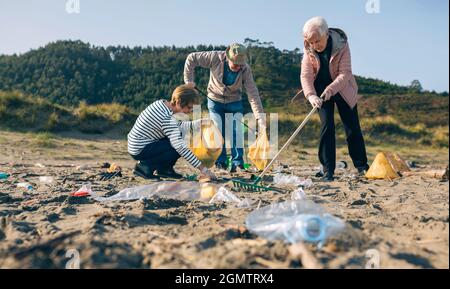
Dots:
(156, 141)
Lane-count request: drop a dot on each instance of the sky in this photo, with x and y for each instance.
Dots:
(393, 40)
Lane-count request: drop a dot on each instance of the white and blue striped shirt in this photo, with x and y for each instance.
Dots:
(157, 122)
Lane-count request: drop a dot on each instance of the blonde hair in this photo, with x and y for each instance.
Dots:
(184, 95)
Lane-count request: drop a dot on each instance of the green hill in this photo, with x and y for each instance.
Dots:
(68, 72)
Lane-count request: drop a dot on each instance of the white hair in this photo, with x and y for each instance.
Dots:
(318, 24)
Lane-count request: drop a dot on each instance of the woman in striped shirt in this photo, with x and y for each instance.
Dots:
(156, 141)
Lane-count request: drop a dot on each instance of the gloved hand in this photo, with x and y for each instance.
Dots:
(315, 101)
(327, 94)
(207, 173)
(262, 125)
(207, 122)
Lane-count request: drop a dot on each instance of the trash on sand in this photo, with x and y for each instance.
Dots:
(166, 189)
(298, 194)
(25, 185)
(4, 176)
(84, 191)
(387, 166)
(294, 221)
(341, 165)
(39, 165)
(282, 179)
(46, 180)
(411, 164)
(114, 168)
(436, 174)
(223, 195)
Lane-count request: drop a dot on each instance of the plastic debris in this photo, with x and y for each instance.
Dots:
(294, 221)
(84, 191)
(341, 165)
(25, 185)
(298, 194)
(282, 180)
(223, 195)
(167, 189)
(387, 165)
(46, 180)
(39, 165)
(4, 176)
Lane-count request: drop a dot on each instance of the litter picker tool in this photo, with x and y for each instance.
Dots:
(254, 187)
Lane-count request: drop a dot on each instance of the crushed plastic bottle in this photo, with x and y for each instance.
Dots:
(283, 179)
(294, 221)
(3, 175)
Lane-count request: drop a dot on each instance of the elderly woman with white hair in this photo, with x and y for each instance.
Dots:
(326, 71)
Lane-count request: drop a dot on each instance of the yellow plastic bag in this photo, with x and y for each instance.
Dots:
(258, 153)
(207, 145)
(387, 165)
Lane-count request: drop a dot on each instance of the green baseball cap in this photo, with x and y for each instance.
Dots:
(237, 53)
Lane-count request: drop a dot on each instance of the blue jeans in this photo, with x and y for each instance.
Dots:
(226, 117)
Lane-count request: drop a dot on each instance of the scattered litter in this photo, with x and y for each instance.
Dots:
(341, 165)
(298, 195)
(25, 185)
(411, 164)
(46, 180)
(294, 221)
(166, 189)
(39, 165)
(4, 176)
(436, 174)
(84, 191)
(113, 170)
(82, 167)
(282, 179)
(223, 195)
(349, 177)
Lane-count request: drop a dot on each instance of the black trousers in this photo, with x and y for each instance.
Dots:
(355, 140)
(158, 155)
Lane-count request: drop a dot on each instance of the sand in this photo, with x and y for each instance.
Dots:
(404, 221)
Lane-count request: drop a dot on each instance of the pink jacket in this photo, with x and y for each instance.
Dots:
(340, 69)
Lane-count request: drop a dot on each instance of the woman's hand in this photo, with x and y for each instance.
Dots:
(315, 101)
(205, 172)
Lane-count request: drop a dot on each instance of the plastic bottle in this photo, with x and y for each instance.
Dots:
(3, 176)
(294, 221)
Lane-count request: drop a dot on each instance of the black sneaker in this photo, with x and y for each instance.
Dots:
(168, 173)
(221, 166)
(234, 167)
(328, 178)
(144, 171)
(362, 171)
